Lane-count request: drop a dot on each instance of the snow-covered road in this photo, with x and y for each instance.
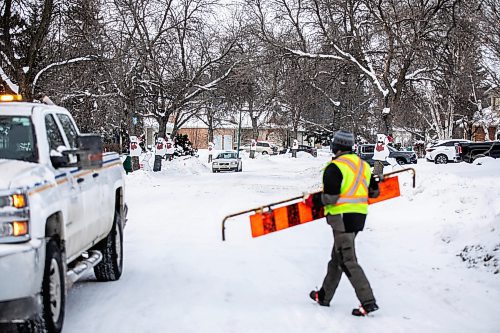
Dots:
(180, 277)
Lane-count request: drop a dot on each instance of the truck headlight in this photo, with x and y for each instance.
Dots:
(14, 229)
(14, 218)
(14, 200)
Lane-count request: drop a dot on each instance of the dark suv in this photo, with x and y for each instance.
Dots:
(311, 150)
(308, 149)
(401, 156)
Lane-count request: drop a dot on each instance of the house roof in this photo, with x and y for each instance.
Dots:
(231, 123)
(494, 90)
(487, 117)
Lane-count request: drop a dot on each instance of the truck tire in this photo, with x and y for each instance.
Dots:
(441, 159)
(53, 295)
(111, 247)
(400, 161)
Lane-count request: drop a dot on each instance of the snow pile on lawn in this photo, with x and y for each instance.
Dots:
(461, 204)
(184, 165)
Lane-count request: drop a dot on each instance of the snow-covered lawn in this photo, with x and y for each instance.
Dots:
(180, 277)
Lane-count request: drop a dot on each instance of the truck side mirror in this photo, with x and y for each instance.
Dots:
(89, 151)
(63, 157)
(60, 161)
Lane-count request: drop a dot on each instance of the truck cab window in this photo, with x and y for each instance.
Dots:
(16, 139)
(53, 134)
(69, 129)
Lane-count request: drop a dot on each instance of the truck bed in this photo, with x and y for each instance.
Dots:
(469, 151)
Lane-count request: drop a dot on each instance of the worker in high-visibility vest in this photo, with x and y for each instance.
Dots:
(347, 184)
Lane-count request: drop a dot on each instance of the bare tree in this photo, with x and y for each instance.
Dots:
(24, 29)
(176, 49)
(382, 38)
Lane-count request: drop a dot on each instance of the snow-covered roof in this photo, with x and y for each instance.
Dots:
(198, 123)
(487, 116)
(492, 90)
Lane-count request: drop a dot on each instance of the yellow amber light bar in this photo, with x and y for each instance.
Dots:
(11, 98)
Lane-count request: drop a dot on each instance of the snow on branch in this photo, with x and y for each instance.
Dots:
(302, 120)
(12, 86)
(331, 100)
(368, 71)
(88, 95)
(60, 63)
(344, 56)
(413, 76)
(211, 85)
(313, 55)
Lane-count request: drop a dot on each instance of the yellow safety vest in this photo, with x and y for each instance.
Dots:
(356, 176)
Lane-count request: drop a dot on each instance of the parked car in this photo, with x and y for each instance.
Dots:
(443, 151)
(227, 161)
(470, 151)
(308, 149)
(263, 147)
(401, 156)
(62, 212)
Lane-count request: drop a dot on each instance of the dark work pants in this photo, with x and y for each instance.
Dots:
(344, 260)
(252, 153)
(378, 168)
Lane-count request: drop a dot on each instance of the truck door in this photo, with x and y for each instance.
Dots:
(69, 192)
(88, 183)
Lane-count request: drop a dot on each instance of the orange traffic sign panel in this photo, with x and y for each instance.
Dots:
(263, 223)
(389, 188)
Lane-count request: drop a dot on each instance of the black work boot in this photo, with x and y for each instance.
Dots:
(318, 297)
(365, 309)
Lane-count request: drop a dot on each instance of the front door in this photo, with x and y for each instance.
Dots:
(228, 142)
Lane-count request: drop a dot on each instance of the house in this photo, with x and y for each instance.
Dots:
(225, 133)
(488, 119)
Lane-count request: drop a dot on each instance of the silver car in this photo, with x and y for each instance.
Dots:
(227, 161)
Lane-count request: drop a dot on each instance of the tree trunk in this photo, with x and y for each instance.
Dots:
(162, 127)
(255, 128)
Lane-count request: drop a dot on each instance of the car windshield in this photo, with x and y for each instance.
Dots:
(226, 156)
(16, 139)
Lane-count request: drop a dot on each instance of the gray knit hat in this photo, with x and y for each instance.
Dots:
(343, 138)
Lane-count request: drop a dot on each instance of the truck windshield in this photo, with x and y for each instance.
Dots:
(16, 139)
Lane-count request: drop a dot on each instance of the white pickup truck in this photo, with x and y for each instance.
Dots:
(61, 213)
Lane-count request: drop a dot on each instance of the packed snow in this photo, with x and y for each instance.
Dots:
(431, 255)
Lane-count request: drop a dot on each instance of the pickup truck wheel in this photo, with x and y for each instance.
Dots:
(400, 161)
(264, 152)
(111, 247)
(53, 295)
(441, 159)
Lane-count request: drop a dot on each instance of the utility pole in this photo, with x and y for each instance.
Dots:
(239, 137)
